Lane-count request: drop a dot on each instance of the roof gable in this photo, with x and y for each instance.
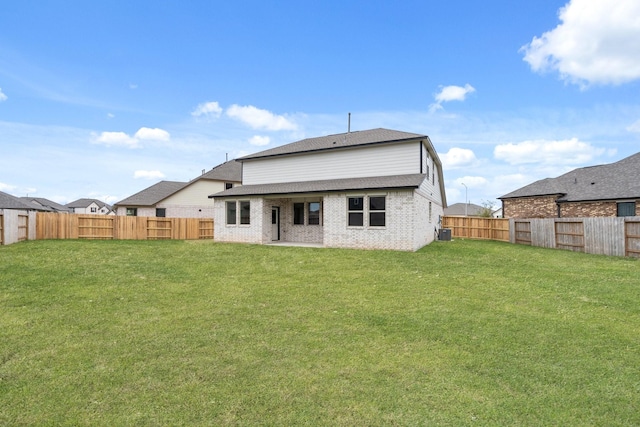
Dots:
(154, 194)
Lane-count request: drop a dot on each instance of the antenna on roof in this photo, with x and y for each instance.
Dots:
(349, 124)
(226, 157)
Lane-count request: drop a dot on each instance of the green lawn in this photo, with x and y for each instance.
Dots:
(197, 333)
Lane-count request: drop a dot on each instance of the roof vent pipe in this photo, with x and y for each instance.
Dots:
(349, 124)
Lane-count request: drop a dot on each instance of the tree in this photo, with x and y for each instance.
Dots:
(487, 209)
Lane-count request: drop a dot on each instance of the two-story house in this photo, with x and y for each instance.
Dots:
(89, 206)
(174, 199)
(374, 189)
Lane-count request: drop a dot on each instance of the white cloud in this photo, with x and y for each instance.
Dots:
(458, 158)
(260, 119)
(596, 43)
(117, 139)
(472, 181)
(635, 127)
(133, 86)
(110, 115)
(6, 187)
(148, 174)
(121, 139)
(451, 93)
(564, 152)
(3, 97)
(259, 140)
(154, 134)
(207, 109)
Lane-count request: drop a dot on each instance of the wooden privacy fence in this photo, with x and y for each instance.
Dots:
(618, 236)
(72, 226)
(477, 227)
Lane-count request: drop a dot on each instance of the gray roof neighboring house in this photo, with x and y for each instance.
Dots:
(325, 186)
(7, 201)
(230, 171)
(342, 140)
(85, 203)
(150, 196)
(460, 209)
(41, 203)
(614, 181)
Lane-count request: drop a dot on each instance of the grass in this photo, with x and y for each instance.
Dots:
(196, 333)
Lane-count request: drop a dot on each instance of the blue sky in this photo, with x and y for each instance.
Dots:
(103, 99)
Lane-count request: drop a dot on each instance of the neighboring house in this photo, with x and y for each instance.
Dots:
(182, 199)
(45, 205)
(596, 191)
(374, 189)
(460, 209)
(89, 206)
(7, 201)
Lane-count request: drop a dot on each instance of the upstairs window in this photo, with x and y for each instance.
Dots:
(132, 211)
(161, 212)
(94, 209)
(228, 185)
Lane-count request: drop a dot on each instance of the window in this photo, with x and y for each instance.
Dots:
(228, 185)
(355, 213)
(245, 212)
(132, 211)
(298, 213)
(161, 212)
(231, 213)
(627, 209)
(377, 211)
(314, 213)
(94, 209)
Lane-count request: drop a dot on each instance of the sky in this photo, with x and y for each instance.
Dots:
(103, 99)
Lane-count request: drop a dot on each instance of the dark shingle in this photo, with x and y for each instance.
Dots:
(325, 186)
(7, 201)
(330, 142)
(152, 195)
(619, 180)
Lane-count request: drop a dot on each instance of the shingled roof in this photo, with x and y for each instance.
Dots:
(43, 204)
(342, 140)
(614, 181)
(152, 195)
(325, 186)
(230, 171)
(7, 201)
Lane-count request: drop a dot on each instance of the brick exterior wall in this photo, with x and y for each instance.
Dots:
(546, 207)
(530, 207)
(588, 209)
(173, 211)
(408, 226)
(252, 233)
